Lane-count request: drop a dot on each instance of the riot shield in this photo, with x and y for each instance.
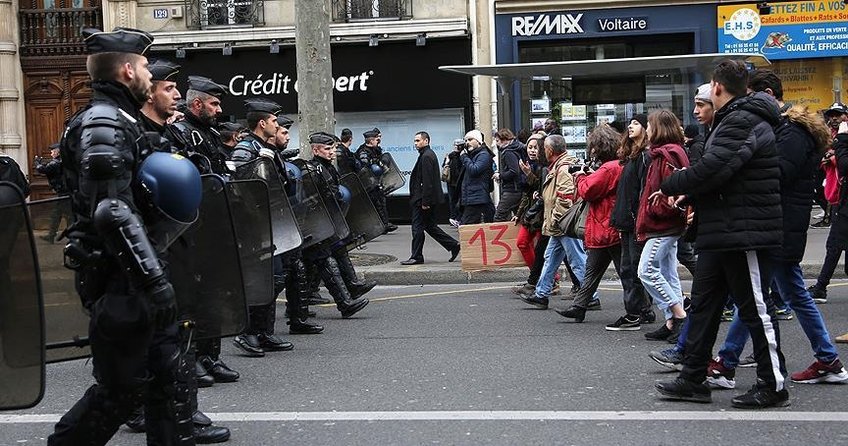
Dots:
(21, 314)
(369, 181)
(252, 216)
(362, 218)
(205, 268)
(284, 227)
(340, 228)
(66, 320)
(310, 211)
(392, 178)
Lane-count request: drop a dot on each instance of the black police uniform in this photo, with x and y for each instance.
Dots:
(202, 144)
(369, 158)
(189, 371)
(10, 171)
(321, 258)
(122, 283)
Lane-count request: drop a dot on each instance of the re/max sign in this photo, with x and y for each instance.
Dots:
(547, 24)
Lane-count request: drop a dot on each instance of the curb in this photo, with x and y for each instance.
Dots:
(420, 275)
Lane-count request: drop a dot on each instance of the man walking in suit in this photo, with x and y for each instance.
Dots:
(425, 192)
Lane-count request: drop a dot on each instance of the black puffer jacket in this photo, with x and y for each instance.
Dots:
(511, 177)
(801, 137)
(630, 186)
(735, 186)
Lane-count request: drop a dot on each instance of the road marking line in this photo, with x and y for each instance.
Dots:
(518, 415)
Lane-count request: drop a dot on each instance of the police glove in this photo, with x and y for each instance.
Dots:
(267, 153)
(163, 303)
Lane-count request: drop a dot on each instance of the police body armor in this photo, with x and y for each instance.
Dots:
(21, 306)
(201, 144)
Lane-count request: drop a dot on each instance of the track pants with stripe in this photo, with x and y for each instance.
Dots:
(745, 275)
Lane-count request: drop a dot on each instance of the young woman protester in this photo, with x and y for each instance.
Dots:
(660, 223)
(635, 161)
(603, 243)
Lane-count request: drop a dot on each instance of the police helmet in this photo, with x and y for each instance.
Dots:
(344, 197)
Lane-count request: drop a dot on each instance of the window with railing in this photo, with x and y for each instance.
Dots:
(54, 27)
(363, 10)
(202, 14)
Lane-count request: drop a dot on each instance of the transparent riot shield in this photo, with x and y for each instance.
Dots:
(284, 226)
(205, 269)
(340, 228)
(362, 217)
(369, 181)
(392, 178)
(310, 211)
(66, 320)
(21, 306)
(252, 216)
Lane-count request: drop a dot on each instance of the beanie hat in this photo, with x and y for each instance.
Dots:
(691, 131)
(476, 134)
(703, 93)
(642, 119)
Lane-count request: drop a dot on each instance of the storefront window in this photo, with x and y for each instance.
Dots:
(544, 97)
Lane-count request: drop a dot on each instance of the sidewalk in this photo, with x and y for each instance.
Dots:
(437, 270)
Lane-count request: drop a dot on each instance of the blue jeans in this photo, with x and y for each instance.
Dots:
(658, 273)
(790, 284)
(560, 248)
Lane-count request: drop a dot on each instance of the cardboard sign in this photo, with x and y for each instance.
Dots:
(489, 246)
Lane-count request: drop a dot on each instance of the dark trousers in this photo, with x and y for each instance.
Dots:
(831, 259)
(132, 364)
(379, 200)
(746, 276)
(597, 262)
(539, 262)
(507, 205)
(424, 220)
(686, 255)
(453, 206)
(635, 299)
(473, 214)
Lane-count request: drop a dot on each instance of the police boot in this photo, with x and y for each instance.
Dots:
(161, 423)
(314, 297)
(249, 344)
(267, 339)
(136, 420)
(331, 276)
(297, 290)
(356, 287)
(204, 379)
(221, 372)
(210, 434)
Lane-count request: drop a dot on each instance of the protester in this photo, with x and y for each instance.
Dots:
(659, 225)
(510, 175)
(603, 242)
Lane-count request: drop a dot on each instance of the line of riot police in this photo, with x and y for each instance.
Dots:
(144, 231)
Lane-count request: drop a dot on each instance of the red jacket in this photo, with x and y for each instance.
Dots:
(662, 219)
(599, 190)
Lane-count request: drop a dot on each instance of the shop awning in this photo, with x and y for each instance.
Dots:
(605, 67)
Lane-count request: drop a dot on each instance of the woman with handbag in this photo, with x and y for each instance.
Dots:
(603, 243)
(530, 214)
(659, 224)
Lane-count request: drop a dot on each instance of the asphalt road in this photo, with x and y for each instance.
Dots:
(469, 364)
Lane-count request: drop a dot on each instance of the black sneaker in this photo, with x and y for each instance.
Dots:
(628, 322)
(660, 334)
(819, 295)
(538, 302)
(649, 317)
(594, 305)
(748, 361)
(676, 327)
(761, 396)
(684, 390)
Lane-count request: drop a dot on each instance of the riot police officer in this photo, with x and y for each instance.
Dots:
(322, 256)
(155, 112)
(197, 134)
(369, 154)
(259, 337)
(113, 176)
(345, 159)
(197, 138)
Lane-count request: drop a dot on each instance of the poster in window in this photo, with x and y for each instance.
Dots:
(572, 112)
(540, 105)
(574, 134)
